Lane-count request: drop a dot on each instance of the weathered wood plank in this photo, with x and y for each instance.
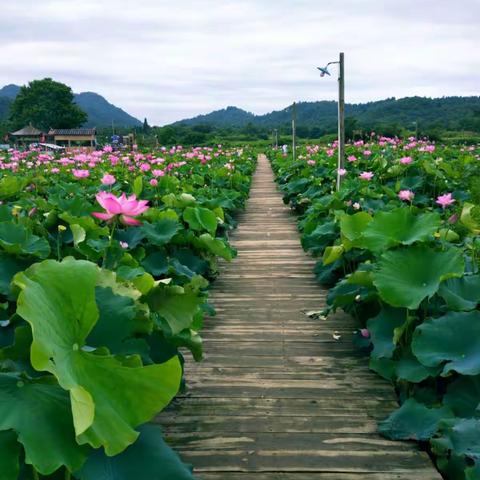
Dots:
(280, 395)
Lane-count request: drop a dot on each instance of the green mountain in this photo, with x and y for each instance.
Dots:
(450, 113)
(100, 112)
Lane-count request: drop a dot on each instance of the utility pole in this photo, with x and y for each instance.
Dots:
(276, 138)
(341, 118)
(294, 121)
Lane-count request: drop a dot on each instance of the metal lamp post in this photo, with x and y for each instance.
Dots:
(341, 113)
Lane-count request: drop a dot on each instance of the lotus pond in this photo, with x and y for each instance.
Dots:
(105, 262)
(398, 247)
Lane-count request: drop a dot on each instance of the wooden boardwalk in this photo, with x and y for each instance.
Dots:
(277, 397)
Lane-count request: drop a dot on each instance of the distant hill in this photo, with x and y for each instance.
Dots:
(9, 91)
(100, 112)
(448, 112)
(230, 116)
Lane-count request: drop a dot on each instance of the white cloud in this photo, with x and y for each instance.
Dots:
(167, 60)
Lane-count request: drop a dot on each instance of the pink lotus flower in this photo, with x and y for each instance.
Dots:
(364, 333)
(108, 179)
(453, 218)
(367, 153)
(81, 173)
(356, 206)
(352, 158)
(311, 162)
(153, 182)
(406, 160)
(126, 207)
(366, 175)
(341, 172)
(406, 195)
(445, 200)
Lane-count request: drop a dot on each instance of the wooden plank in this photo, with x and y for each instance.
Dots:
(280, 395)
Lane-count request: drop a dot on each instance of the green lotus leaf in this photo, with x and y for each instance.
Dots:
(467, 218)
(473, 473)
(9, 266)
(410, 369)
(39, 412)
(115, 323)
(160, 232)
(463, 396)
(216, 246)
(462, 436)
(332, 254)
(352, 228)
(149, 458)
(385, 367)
(407, 276)
(9, 455)
(201, 219)
(109, 397)
(175, 304)
(17, 239)
(382, 329)
(12, 185)
(452, 340)
(461, 294)
(413, 421)
(156, 263)
(399, 226)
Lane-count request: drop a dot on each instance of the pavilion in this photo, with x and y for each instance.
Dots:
(73, 137)
(27, 135)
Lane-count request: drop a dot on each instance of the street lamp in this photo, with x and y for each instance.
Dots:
(341, 112)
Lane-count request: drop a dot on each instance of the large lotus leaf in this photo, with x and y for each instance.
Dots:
(39, 412)
(410, 369)
(400, 226)
(193, 262)
(413, 421)
(316, 241)
(12, 185)
(160, 232)
(467, 218)
(461, 294)
(109, 397)
(115, 328)
(156, 263)
(9, 266)
(149, 458)
(17, 239)
(9, 455)
(201, 219)
(473, 473)
(463, 436)
(463, 396)
(382, 329)
(453, 339)
(352, 227)
(385, 367)
(406, 276)
(216, 246)
(176, 305)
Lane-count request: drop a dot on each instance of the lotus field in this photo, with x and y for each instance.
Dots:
(398, 247)
(105, 260)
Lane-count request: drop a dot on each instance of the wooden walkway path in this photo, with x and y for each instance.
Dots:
(277, 397)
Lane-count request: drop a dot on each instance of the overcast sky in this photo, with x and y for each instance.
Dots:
(168, 60)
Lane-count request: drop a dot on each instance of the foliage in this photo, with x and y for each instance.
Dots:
(101, 294)
(46, 104)
(398, 247)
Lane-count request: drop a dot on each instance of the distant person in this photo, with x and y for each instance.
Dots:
(285, 149)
